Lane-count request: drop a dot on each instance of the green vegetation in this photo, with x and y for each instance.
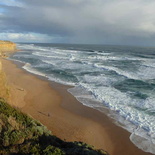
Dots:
(20, 134)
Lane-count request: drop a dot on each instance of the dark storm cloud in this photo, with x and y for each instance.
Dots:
(83, 21)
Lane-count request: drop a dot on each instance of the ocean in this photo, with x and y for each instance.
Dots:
(118, 78)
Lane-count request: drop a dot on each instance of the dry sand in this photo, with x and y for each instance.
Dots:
(53, 106)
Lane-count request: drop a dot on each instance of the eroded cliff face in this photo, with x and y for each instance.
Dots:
(6, 46)
(0, 66)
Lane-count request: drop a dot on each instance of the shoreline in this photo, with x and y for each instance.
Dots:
(56, 108)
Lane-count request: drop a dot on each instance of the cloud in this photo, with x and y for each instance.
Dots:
(26, 37)
(11, 3)
(82, 21)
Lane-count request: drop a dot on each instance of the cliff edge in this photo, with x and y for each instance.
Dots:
(6, 47)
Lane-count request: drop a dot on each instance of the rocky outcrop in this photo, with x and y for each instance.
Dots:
(6, 47)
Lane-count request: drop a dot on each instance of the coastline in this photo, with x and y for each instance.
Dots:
(52, 105)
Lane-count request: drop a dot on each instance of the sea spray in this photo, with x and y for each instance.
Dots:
(120, 78)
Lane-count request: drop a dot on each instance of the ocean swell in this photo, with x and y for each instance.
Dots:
(103, 77)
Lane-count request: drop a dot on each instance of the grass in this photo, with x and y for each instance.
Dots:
(21, 134)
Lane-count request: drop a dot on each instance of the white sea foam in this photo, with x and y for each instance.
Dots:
(15, 60)
(30, 69)
(143, 141)
(95, 89)
(103, 53)
(129, 118)
(85, 97)
(149, 63)
(54, 63)
(143, 73)
(106, 57)
(128, 74)
(146, 73)
(101, 79)
(51, 55)
(58, 80)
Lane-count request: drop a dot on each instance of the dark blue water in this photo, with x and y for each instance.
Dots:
(121, 78)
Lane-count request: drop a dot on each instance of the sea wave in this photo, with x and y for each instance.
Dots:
(123, 82)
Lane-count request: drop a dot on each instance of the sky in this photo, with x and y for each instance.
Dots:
(122, 22)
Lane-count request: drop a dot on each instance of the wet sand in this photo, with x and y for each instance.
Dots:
(53, 106)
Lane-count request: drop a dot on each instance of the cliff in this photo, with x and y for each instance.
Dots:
(6, 47)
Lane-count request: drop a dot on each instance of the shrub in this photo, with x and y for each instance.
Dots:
(20, 134)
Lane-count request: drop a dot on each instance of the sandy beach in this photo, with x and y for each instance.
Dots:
(53, 106)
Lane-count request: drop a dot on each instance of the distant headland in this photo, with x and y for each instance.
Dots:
(6, 47)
